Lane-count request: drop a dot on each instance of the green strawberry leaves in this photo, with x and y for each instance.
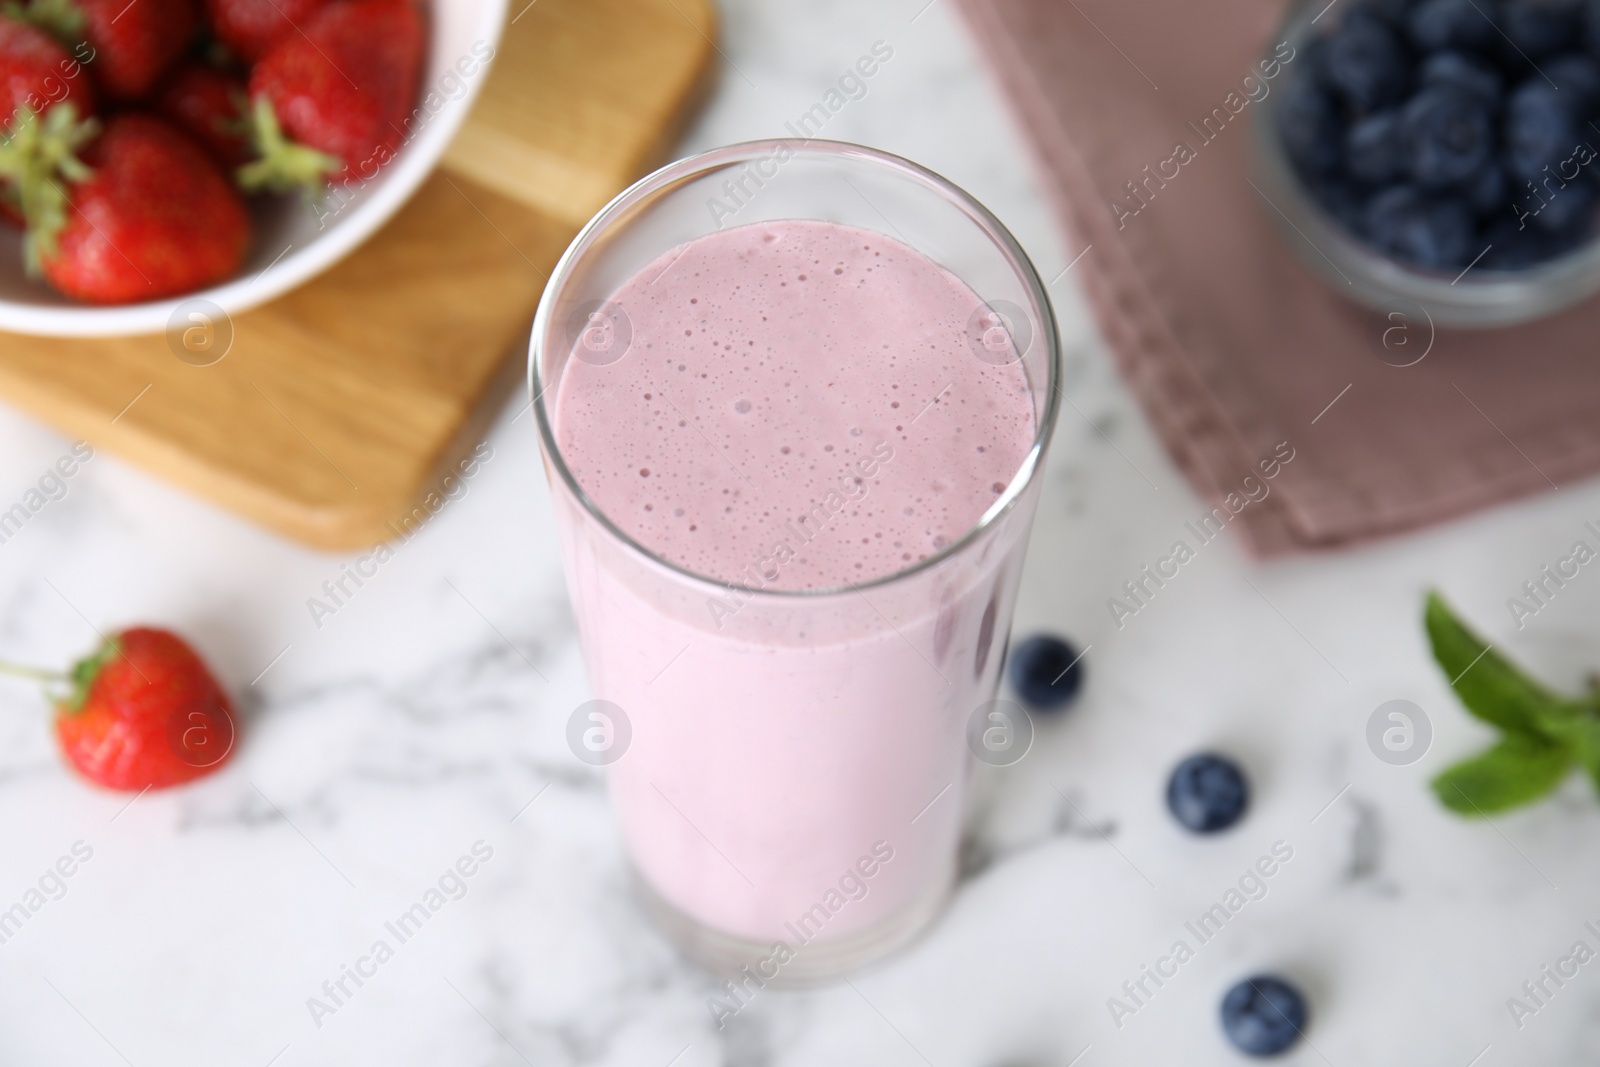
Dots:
(61, 19)
(284, 166)
(1543, 733)
(86, 670)
(40, 156)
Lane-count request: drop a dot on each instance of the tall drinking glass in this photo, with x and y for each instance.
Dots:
(789, 766)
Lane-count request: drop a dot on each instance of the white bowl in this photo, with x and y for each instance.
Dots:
(293, 241)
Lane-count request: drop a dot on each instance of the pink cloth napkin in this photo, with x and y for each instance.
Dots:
(1233, 346)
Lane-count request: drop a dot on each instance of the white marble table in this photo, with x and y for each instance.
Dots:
(426, 715)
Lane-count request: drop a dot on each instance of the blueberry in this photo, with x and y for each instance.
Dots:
(1207, 793)
(1393, 12)
(1577, 77)
(1461, 71)
(1513, 248)
(1539, 129)
(1538, 28)
(1263, 1015)
(1566, 208)
(1449, 136)
(1510, 247)
(1436, 25)
(1309, 123)
(1559, 244)
(1045, 671)
(1374, 151)
(1366, 63)
(1489, 191)
(1428, 230)
(1590, 25)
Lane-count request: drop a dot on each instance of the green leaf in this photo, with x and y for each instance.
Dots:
(1491, 686)
(1584, 744)
(1518, 770)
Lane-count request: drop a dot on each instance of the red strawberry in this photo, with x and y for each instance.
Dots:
(251, 27)
(130, 44)
(135, 43)
(37, 73)
(41, 86)
(148, 215)
(144, 713)
(341, 90)
(209, 105)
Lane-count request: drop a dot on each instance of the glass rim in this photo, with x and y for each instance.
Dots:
(619, 209)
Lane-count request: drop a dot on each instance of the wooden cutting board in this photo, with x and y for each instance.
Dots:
(341, 406)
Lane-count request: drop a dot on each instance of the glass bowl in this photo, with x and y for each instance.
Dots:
(1472, 298)
(295, 240)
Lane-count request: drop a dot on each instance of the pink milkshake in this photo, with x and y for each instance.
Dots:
(802, 455)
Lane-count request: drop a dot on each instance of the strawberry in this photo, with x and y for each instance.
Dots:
(130, 45)
(36, 157)
(143, 712)
(37, 73)
(209, 105)
(145, 214)
(331, 102)
(252, 27)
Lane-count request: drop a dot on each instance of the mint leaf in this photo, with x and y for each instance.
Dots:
(1491, 686)
(1584, 744)
(1518, 770)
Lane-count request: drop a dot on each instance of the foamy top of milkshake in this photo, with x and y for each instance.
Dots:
(798, 405)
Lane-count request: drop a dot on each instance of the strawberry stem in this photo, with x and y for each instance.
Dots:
(284, 165)
(39, 155)
(38, 674)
